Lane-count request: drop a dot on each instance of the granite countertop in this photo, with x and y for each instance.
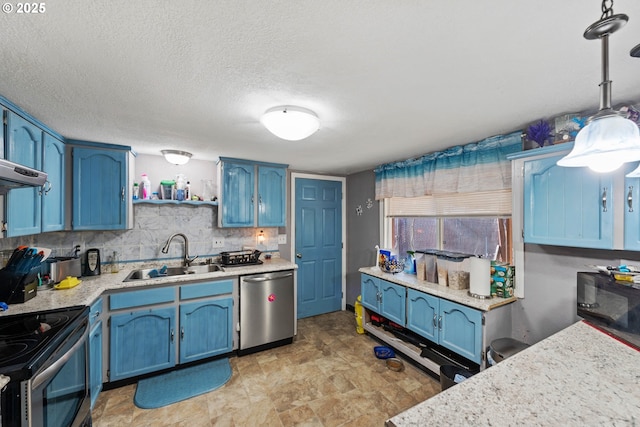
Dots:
(92, 287)
(579, 376)
(460, 296)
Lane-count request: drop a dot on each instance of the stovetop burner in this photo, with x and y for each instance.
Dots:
(24, 336)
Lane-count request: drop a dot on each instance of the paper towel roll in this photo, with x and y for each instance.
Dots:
(479, 275)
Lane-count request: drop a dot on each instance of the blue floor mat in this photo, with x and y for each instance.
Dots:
(165, 389)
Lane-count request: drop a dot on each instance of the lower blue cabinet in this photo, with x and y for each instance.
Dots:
(461, 329)
(95, 362)
(142, 341)
(422, 314)
(206, 329)
(385, 298)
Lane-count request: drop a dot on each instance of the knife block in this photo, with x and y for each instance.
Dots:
(18, 288)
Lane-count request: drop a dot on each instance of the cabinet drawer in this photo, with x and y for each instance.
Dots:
(206, 289)
(95, 311)
(141, 298)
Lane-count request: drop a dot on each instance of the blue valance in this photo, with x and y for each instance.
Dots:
(479, 166)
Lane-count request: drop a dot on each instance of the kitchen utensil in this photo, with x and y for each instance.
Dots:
(92, 262)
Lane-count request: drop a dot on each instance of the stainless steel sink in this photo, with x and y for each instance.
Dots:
(143, 274)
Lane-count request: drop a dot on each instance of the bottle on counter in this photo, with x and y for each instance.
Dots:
(136, 191)
(187, 191)
(180, 187)
(146, 187)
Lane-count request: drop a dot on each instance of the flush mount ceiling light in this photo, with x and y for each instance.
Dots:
(176, 157)
(609, 139)
(291, 123)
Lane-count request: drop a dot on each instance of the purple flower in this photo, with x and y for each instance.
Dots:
(539, 132)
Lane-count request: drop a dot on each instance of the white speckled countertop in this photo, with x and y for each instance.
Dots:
(577, 377)
(92, 287)
(459, 296)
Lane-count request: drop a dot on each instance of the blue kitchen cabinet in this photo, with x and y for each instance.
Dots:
(422, 314)
(385, 298)
(272, 184)
(100, 190)
(24, 205)
(237, 195)
(142, 341)
(53, 194)
(252, 194)
(95, 351)
(567, 206)
(632, 210)
(206, 329)
(461, 329)
(206, 319)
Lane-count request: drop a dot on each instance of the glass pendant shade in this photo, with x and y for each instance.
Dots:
(291, 123)
(176, 157)
(605, 144)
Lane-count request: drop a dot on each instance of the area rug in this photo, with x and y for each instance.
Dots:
(181, 384)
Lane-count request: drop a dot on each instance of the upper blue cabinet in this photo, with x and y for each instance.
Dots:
(252, 194)
(100, 190)
(34, 210)
(577, 207)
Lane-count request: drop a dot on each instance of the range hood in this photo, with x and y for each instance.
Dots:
(13, 175)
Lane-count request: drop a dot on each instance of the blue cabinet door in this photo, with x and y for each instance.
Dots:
(95, 362)
(53, 162)
(370, 291)
(206, 329)
(23, 146)
(99, 189)
(141, 342)
(422, 314)
(393, 302)
(567, 206)
(272, 182)
(632, 211)
(461, 329)
(237, 202)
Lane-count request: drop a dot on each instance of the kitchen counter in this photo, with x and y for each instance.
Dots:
(579, 376)
(459, 296)
(92, 287)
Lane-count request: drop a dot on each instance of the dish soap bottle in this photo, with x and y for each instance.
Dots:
(146, 187)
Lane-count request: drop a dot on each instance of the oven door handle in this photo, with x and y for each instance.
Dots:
(55, 366)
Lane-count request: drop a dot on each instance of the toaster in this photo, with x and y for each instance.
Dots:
(61, 267)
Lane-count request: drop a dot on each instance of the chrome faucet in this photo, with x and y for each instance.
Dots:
(187, 260)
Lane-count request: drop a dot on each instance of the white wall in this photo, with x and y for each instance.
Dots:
(158, 169)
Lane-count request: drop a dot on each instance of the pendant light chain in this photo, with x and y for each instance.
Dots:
(607, 9)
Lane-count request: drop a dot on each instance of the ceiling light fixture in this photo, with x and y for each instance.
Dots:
(609, 139)
(291, 123)
(176, 157)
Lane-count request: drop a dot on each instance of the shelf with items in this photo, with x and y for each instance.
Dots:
(176, 202)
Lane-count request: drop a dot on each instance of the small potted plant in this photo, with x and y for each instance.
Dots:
(539, 133)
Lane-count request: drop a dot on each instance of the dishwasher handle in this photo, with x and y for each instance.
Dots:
(254, 279)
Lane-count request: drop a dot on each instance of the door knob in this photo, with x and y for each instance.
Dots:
(298, 255)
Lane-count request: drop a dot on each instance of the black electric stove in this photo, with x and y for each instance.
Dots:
(27, 340)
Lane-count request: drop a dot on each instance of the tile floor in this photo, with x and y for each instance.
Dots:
(327, 377)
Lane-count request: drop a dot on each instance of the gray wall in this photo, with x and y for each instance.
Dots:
(550, 300)
(363, 231)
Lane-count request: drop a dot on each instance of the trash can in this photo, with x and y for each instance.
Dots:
(502, 348)
(451, 375)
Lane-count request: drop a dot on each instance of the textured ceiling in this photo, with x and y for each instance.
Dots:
(389, 79)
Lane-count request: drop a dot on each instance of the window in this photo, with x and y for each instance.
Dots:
(486, 236)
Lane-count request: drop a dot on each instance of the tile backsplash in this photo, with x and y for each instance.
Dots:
(153, 225)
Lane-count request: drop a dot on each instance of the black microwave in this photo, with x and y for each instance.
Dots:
(610, 305)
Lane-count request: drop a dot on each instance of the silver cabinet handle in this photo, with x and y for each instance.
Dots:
(182, 333)
(604, 199)
(435, 320)
(46, 187)
(440, 322)
(630, 198)
(298, 255)
(172, 335)
(122, 193)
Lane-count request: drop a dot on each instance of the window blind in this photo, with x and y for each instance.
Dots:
(483, 203)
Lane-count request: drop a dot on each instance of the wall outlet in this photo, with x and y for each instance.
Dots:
(282, 239)
(218, 242)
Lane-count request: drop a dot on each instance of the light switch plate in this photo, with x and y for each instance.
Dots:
(282, 239)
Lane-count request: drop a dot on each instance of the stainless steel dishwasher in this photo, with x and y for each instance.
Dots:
(267, 316)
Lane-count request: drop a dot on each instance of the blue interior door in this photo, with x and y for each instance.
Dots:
(318, 245)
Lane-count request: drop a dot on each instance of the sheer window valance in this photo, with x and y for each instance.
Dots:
(475, 167)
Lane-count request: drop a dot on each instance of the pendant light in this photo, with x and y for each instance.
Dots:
(609, 139)
(291, 123)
